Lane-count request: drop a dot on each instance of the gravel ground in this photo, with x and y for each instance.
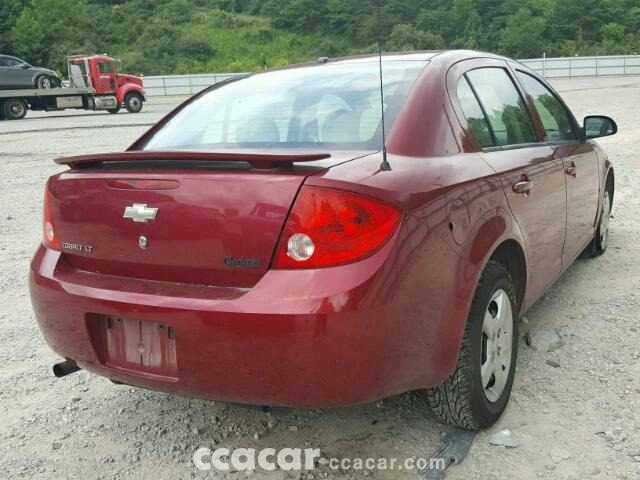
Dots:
(574, 412)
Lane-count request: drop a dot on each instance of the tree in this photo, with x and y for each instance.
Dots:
(9, 12)
(298, 15)
(408, 37)
(48, 30)
(522, 36)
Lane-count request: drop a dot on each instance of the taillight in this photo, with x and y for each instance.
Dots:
(50, 237)
(328, 227)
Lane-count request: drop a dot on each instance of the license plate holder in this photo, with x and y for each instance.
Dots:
(140, 346)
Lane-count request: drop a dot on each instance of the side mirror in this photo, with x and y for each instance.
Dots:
(25, 66)
(596, 126)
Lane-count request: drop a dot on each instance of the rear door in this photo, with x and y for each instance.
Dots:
(579, 160)
(531, 174)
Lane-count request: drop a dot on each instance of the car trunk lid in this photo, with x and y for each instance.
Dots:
(201, 221)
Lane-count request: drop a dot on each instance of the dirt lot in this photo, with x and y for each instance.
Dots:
(584, 404)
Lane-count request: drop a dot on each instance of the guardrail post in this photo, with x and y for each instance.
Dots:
(544, 65)
(190, 85)
(597, 56)
(164, 87)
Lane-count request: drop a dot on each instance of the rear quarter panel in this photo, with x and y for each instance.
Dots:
(456, 215)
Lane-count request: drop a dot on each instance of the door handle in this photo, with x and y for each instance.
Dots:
(571, 170)
(523, 187)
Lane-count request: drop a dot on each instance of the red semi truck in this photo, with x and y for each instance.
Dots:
(94, 84)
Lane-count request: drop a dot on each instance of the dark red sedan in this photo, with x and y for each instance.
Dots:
(257, 246)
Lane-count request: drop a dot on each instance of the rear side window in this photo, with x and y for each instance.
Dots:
(555, 118)
(474, 114)
(506, 111)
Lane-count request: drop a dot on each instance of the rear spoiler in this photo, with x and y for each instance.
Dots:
(257, 160)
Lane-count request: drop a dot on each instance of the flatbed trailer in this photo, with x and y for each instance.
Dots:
(14, 104)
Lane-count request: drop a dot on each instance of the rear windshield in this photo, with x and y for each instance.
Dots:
(333, 106)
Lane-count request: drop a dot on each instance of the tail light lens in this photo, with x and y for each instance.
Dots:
(329, 227)
(50, 237)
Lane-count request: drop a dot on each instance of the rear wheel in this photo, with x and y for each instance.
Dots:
(14, 109)
(477, 392)
(133, 102)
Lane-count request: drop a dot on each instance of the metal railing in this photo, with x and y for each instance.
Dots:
(561, 67)
(168, 85)
(598, 66)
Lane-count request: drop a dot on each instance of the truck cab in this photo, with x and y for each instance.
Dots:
(100, 72)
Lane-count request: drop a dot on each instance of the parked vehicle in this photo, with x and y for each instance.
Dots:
(16, 73)
(94, 84)
(257, 245)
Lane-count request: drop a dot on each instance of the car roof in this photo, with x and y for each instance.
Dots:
(447, 56)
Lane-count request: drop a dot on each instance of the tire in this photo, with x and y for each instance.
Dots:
(133, 102)
(114, 110)
(44, 82)
(474, 397)
(14, 109)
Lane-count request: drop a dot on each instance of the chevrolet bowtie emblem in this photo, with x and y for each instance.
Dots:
(139, 212)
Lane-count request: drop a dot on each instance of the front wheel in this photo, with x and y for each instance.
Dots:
(114, 110)
(602, 234)
(477, 392)
(598, 245)
(44, 81)
(133, 102)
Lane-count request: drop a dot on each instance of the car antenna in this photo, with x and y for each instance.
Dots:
(384, 166)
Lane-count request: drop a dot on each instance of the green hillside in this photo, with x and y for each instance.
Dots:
(181, 36)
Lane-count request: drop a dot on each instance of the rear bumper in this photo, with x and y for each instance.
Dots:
(338, 336)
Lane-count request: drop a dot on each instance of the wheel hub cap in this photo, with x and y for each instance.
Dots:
(497, 332)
